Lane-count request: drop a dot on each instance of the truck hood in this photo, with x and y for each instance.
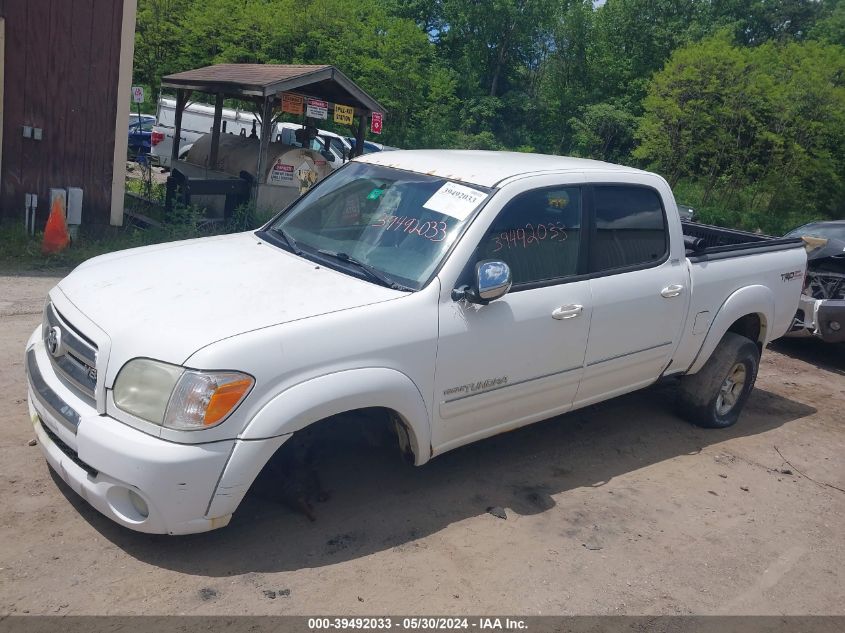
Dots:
(169, 300)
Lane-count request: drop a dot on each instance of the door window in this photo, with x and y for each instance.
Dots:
(538, 234)
(630, 228)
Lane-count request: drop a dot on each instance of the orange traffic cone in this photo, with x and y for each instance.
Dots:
(56, 237)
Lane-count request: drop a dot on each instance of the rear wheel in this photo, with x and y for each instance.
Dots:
(715, 396)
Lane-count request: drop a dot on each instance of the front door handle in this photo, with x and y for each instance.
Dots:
(672, 291)
(567, 312)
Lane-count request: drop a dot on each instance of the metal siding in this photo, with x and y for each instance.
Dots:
(11, 190)
(34, 153)
(76, 104)
(62, 67)
(58, 63)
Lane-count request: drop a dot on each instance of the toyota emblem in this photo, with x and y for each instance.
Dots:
(53, 341)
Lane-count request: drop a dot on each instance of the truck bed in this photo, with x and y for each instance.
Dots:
(706, 242)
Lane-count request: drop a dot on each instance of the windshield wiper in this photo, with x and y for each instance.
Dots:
(373, 273)
(288, 240)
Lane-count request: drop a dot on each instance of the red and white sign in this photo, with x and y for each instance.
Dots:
(317, 109)
(281, 173)
(137, 94)
(375, 123)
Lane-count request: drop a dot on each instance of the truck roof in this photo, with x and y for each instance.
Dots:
(483, 167)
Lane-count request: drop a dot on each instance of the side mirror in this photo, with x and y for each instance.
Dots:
(492, 281)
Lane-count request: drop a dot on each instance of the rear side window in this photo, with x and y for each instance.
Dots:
(538, 235)
(630, 228)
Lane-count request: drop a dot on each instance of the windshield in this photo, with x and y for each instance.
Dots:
(367, 216)
(829, 231)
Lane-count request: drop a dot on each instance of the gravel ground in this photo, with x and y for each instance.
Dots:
(618, 509)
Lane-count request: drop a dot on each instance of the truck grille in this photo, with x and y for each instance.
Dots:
(826, 285)
(74, 357)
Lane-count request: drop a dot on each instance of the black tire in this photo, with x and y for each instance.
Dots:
(707, 398)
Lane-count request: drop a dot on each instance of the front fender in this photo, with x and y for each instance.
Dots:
(756, 299)
(342, 391)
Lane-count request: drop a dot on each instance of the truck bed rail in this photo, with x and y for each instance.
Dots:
(705, 242)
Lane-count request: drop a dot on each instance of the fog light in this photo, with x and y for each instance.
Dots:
(834, 325)
(139, 504)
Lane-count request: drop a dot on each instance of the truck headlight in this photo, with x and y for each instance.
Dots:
(176, 397)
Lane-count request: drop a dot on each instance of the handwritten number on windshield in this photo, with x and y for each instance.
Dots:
(432, 230)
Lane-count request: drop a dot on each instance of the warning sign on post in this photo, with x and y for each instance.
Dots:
(137, 94)
(317, 109)
(281, 173)
(292, 103)
(375, 124)
(343, 114)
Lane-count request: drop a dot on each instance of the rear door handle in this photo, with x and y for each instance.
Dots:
(672, 291)
(567, 312)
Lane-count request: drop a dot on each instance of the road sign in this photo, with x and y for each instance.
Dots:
(137, 94)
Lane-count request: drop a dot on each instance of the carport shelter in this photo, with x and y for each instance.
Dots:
(264, 85)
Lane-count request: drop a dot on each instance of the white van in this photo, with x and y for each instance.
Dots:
(198, 120)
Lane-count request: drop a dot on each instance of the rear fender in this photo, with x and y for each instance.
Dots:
(756, 299)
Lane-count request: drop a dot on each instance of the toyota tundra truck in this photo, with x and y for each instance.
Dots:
(459, 294)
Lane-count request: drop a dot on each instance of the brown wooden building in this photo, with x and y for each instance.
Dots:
(65, 79)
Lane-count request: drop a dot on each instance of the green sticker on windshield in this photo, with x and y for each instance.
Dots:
(375, 194)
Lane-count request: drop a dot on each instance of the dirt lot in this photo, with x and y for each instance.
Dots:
(621, 508)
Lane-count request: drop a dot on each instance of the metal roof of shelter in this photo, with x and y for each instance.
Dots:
(265, 80)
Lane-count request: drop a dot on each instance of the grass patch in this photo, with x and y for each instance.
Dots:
(22, 253)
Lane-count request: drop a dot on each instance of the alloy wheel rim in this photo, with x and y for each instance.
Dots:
(731, 389)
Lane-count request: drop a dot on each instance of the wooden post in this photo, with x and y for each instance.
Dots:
(215, 131)
(177, 127)
(361, 134)
(266, 134)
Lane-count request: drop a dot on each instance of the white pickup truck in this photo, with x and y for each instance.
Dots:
(457, 294)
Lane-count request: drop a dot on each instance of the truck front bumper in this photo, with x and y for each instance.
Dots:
(822, 318)
(830, 321)
(137, 480)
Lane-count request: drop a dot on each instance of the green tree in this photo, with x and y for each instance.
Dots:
(158, 38)
(831, 29)
(491, 38)
(757, 21)
(761, 129)
(738, 102)
(604, 132)
(565, 83)
(700, 112)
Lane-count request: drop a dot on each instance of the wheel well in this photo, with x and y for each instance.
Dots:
(294, 473)
(751, 326)
(372, 425)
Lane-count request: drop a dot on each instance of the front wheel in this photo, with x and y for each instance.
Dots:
(715, 396)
